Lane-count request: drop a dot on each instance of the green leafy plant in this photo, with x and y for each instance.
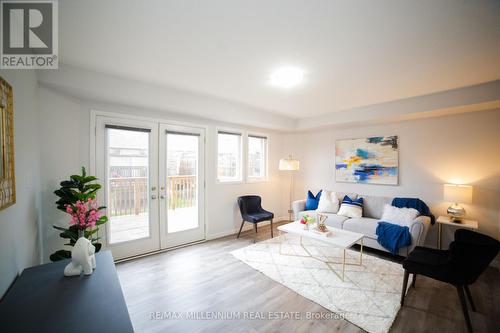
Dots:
(75, 193)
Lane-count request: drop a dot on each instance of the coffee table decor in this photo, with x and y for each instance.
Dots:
(321, 227)
(307, 220)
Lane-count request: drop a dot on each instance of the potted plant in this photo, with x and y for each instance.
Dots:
(77, 197)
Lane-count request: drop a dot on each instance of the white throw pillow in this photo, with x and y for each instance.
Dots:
(400, 216)
(351, 208)
(328, 202)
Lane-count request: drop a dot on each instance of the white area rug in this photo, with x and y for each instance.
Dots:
(369, 297)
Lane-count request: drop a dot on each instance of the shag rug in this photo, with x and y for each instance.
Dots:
(369, 297)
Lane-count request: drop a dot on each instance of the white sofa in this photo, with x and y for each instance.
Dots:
(373, 207)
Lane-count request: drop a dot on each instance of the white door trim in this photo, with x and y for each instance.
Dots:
(126, 117)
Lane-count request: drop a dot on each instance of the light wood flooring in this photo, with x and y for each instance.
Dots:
(206, 278)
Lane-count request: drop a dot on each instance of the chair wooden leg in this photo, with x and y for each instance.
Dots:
(272, 228)
(405, 284)
(241, 227)
(461, 295)
(413, 280)
(255, 227)
(469, 296)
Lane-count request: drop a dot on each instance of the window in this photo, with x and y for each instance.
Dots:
(257, 157)
(228, 156)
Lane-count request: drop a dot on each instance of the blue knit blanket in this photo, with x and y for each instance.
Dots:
(393, 236)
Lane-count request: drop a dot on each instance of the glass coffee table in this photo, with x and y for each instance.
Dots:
(337, 237)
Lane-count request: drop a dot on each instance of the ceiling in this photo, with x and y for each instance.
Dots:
(354, 53)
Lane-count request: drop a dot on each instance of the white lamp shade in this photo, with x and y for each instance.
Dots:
(289, 164)
(458, 193)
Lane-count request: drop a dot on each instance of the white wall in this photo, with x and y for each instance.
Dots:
(19, 228)
(65, 132)
(432, 152)
(463, 148)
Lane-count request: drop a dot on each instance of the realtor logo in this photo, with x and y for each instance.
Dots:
(29, 35)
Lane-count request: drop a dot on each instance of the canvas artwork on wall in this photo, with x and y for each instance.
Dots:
(370, 160)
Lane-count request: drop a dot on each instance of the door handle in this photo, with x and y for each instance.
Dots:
(153, 196)
(162, 196)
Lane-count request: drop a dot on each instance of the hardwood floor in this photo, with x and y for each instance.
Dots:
(205, 278)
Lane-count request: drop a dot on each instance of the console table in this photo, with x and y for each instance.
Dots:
(42, 299)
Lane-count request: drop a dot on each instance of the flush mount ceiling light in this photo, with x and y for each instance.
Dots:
(287, 77)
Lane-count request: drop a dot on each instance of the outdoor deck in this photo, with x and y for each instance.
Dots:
(130, 227)
(128, 206)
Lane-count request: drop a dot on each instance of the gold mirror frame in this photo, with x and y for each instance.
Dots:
(7, 174)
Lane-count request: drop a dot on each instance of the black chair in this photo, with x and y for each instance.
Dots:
(252, 211)
(468, 256)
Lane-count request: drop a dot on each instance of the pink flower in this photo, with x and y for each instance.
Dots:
(84, 214)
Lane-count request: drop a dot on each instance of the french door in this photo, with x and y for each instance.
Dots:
(182, 177)
(153, 179)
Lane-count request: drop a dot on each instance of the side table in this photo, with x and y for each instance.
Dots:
(445, 220)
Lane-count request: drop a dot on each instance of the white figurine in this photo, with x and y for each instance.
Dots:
(82, 258)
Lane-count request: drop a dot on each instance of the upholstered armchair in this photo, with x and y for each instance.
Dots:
(252, 211)
(468, 256)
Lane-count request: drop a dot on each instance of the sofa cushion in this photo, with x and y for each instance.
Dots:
(335, 220)
(363, 225)
(328, 203)
(311, 213)
(374, 206)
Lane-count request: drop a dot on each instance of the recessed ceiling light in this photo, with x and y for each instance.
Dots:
(287, 77)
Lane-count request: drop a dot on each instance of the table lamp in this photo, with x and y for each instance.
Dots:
(457, 194)
(289, 164)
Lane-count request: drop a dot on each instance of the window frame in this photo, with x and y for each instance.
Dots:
(265, 178)
(234, 131)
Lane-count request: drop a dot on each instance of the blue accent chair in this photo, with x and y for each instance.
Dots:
(252, 211)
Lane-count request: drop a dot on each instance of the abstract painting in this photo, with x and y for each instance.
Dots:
(371, 160)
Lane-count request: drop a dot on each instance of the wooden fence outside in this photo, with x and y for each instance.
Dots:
(129, 196)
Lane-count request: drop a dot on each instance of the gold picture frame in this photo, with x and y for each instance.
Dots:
(7, 171)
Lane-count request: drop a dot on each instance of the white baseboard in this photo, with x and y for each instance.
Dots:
(246, 227)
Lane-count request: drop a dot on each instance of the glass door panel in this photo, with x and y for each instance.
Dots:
(127, 183)
(182, 179)
(127, 167)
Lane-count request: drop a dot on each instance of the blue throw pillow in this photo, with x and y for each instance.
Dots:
(358, 202)
(351, 208)
(312, 200)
